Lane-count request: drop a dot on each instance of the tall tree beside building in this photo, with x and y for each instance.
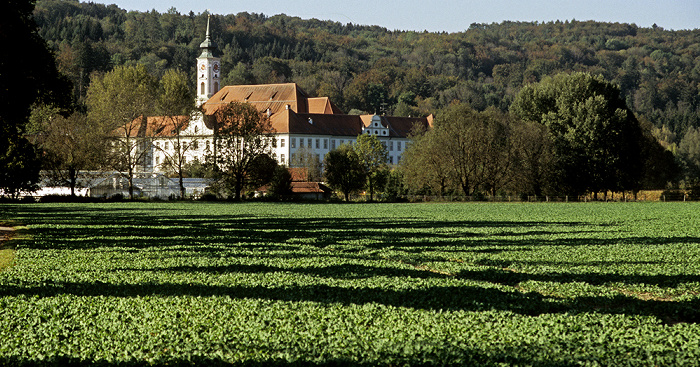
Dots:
(344, 171)
(423, 165)
(120, 102)
(596, 137)
(70, 145)
(305, 158)
(242, 135)
(176, 104)
(373, 157)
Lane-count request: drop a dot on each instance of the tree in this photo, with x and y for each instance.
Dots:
(497, 149)
(305, 157)
(344, 170)
(20, 165)
(242, 134)
(281, 183)
(459, 137)
(176, 104)
(596, 137)
(70, 145)
(373, 157)
(534, 166)
(120, 102)
(261, 172)
(689, 154)
(423, 164)
(27, 75)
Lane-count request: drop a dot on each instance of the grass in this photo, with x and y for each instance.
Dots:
(7, 254)
(7, 258)
(381, 284)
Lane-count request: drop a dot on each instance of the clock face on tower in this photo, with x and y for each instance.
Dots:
(216, 67)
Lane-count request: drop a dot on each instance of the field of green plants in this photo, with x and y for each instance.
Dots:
(546, 284)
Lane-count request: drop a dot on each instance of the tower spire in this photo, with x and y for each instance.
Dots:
(208, 68)
(208, 47)
(208, 36)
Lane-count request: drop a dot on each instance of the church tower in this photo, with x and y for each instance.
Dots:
(208, 69)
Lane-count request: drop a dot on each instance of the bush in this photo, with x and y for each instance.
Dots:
(673, 195)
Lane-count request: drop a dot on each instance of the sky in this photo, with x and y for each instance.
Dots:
(443, 15)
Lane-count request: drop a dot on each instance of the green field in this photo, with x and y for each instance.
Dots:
(352, 284)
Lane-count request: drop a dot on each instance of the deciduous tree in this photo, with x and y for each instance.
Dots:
(176, 102)
(120, 102)
(343, 170)
(596, 137)
(373, 157)
(70, 145)
(242, 135)
(28, 74)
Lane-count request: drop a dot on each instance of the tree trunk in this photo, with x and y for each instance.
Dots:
(131, 183)
(182, 186)
(72, 177)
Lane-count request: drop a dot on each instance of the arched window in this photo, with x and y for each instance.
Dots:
(216, 87)
(201, 88)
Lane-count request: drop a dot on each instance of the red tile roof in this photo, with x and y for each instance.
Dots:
(154, 126)
(322, 105)
(275, 97)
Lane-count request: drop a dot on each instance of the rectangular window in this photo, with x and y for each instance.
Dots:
(391, 159)
(301, 142)
(325, 143)
(398, 146)
(318, 143)
(282, 159)
(309, 143)
(391, 146)
(281, 143)
(294, 142)
(332, 143)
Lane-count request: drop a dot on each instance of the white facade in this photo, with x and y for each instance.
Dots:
(326, 130)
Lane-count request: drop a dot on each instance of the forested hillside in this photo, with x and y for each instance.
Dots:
(371, 68)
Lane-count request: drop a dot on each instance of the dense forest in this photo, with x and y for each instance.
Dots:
(374, 69)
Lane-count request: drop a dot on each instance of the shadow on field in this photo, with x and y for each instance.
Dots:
(449, 355)
(128, 229)
(468, 298)
(86, 227)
